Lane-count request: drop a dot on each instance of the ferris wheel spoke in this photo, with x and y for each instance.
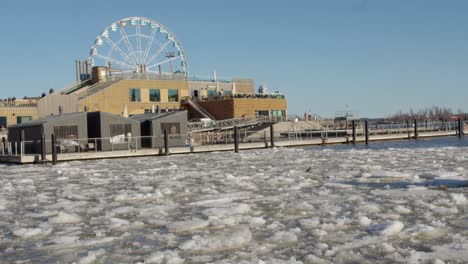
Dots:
(120, 51)
(138, 40)
(114, 61)
(128, 44)
(159, 51)
(166, 61)
(138, 45)
(148, 46)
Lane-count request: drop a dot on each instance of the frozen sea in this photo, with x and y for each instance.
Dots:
(394, 202)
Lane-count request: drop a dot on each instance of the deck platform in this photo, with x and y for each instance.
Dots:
(62, 157)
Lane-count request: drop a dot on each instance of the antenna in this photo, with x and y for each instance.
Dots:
(169, 56)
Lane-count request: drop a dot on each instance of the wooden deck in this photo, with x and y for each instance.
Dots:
(27, 159)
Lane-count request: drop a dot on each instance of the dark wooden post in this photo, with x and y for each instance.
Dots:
(236, 139)
(366, 131)
(4, 146)
(416, 129)
(43, 148)
(408, 129)
(20, 151)
(272, 136)
(166, 142)
(353, 123)
(54, 149)
(460, 127)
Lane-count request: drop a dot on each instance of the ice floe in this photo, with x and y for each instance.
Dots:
(354, 205)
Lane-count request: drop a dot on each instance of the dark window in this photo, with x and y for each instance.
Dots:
(154, 95)
(262, 113)
(173, 95)
(3, 121)
(173, 129)
(277, 113)
(22, 119)
(135, 95)
(120, 129)
(66, 132)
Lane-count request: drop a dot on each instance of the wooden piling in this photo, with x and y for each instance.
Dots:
(353, 123)
(54, 149)
(272, 136)
(408, 129)
(416, 129)
(43, 148)
(166, 142)
(460, 127)
(366, 131)
(236, 139)
(4, 147)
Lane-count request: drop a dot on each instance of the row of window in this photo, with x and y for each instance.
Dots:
(154, 95)
(19, 120)
(278, 113)
(214, 93)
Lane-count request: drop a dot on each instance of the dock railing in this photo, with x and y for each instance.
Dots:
(254, 136)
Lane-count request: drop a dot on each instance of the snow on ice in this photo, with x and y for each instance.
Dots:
(354, 205)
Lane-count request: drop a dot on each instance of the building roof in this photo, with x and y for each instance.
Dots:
(124, 119)
(51, 119)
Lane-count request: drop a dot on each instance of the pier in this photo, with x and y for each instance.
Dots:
(234, 140)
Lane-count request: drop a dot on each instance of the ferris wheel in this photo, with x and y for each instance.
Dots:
(139, 45)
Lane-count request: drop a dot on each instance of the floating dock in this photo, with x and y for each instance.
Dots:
(63, 157)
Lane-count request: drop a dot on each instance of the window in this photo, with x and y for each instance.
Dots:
(135, 95)
(3, 121)
(154, 95)
(22, 119)
(120, 129)
(277, 113)
(119, 133)
(173, 129)
(173, 95)
(227, 92)
(262, 113)
(66, 132)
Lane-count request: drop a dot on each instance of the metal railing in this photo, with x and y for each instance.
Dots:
(148, 76)
(246, 134)
(75, 86)
(240, 96)
(229, 123)
(14, 104)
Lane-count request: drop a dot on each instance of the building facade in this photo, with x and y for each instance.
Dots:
(136, 94)
(17, 112)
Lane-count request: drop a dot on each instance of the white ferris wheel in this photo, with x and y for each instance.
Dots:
(139, 45)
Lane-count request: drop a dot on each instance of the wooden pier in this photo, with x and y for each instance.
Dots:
(63, 157)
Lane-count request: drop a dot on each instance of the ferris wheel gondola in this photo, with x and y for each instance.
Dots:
(141, 45)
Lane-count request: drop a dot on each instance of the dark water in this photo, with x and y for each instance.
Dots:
(420, 143)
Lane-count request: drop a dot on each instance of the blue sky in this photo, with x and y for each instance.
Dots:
(375, 56)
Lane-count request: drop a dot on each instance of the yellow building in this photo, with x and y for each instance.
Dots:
(134, 94)
(17, 111)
